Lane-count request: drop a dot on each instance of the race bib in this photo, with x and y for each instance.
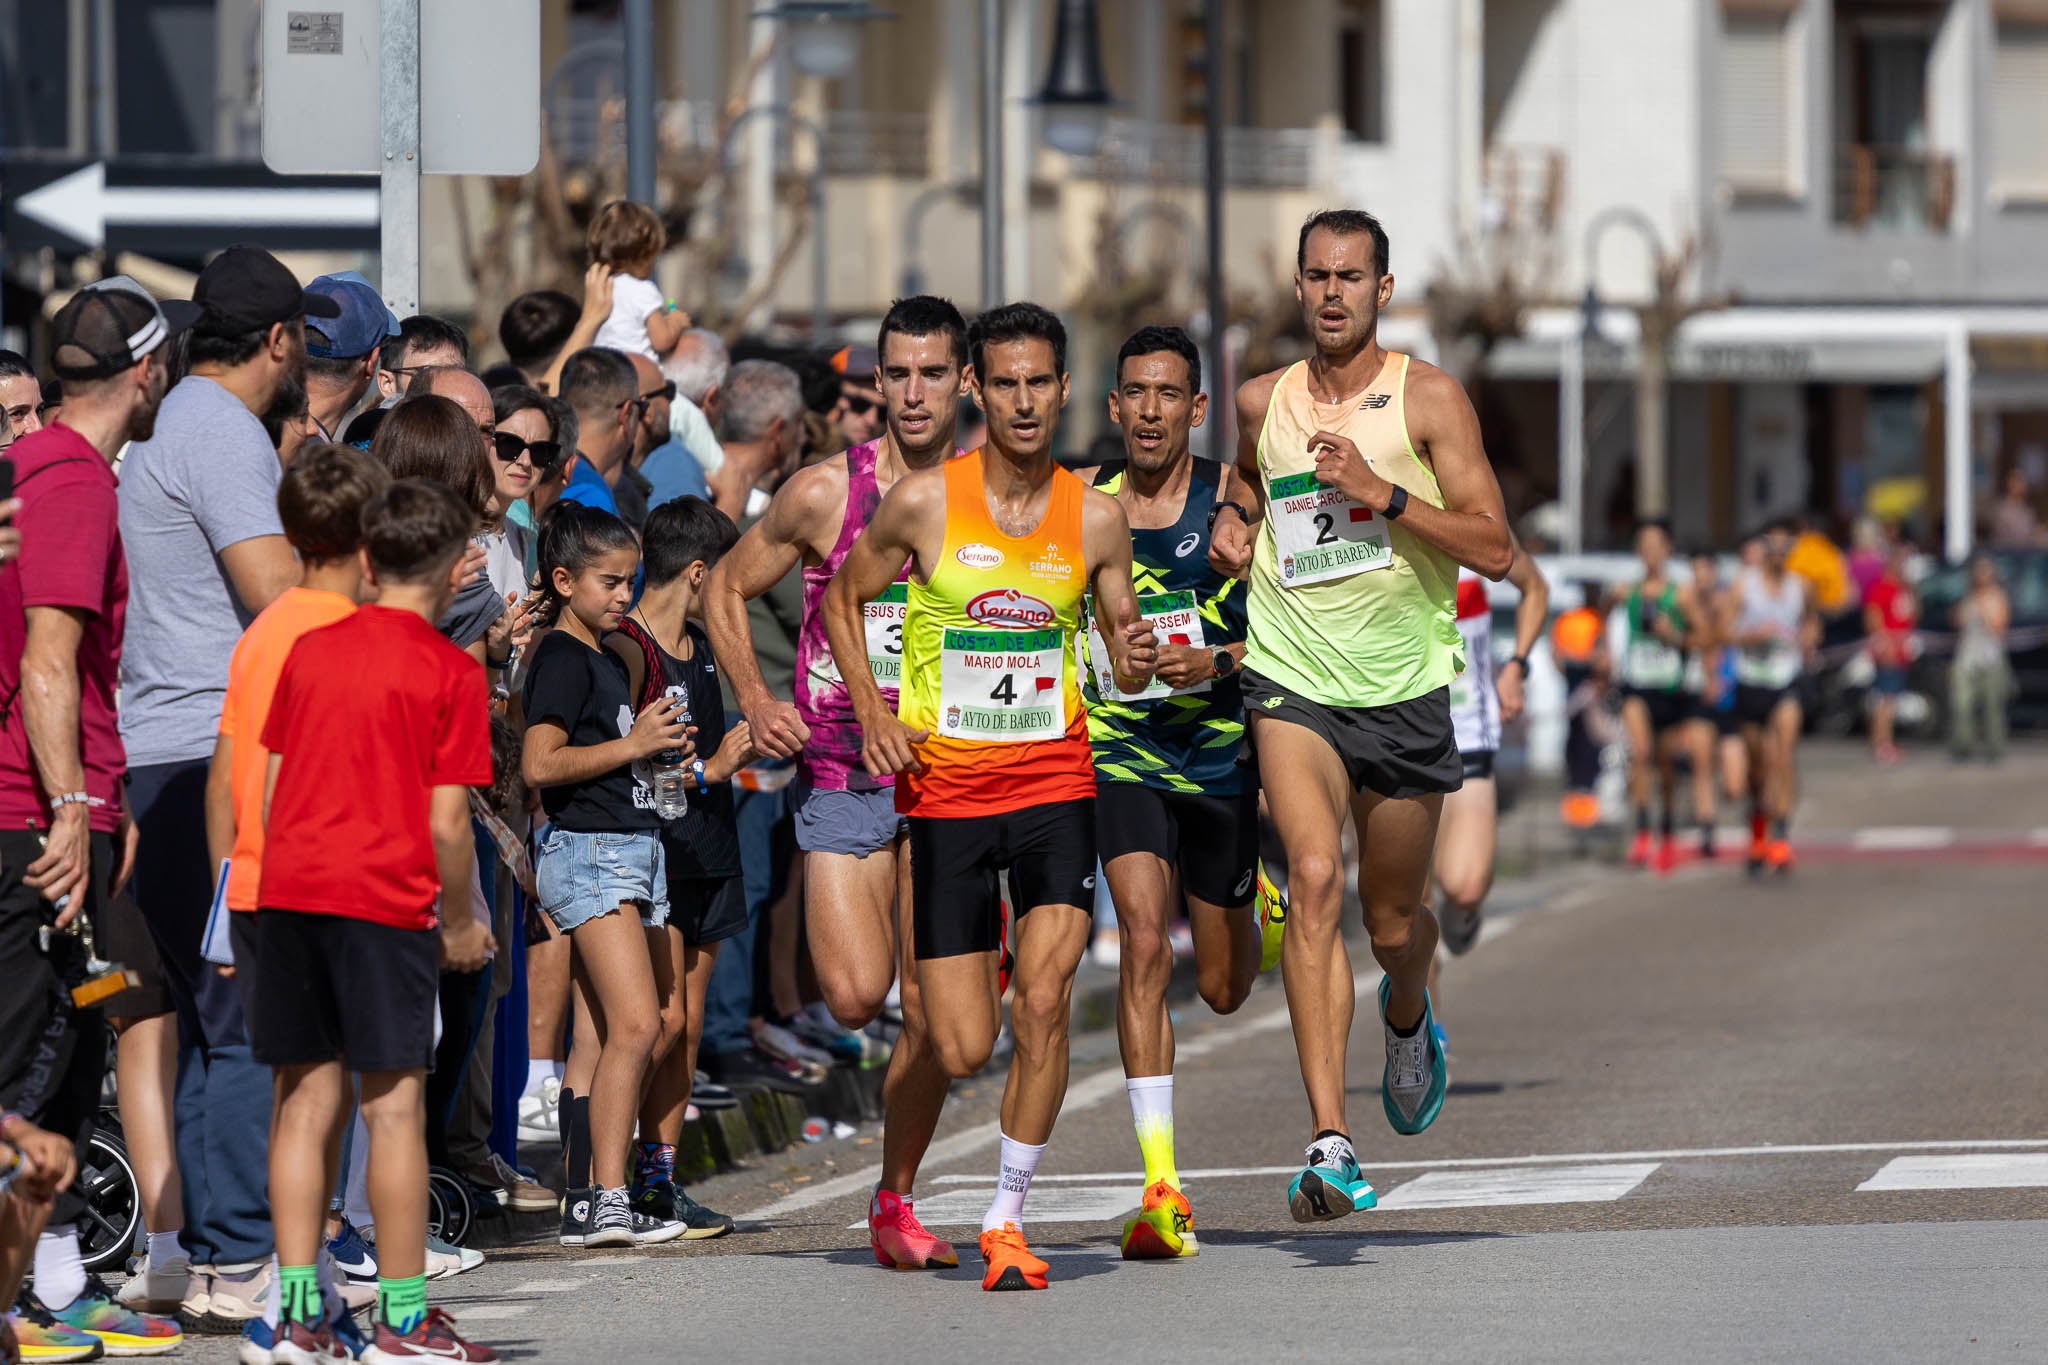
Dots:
(1653, 664)
(882, 619)
(1320, 534)
(1001, 686)
(1176, 620)
(1774, 666)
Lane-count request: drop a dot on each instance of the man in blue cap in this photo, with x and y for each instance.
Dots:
(342, 352)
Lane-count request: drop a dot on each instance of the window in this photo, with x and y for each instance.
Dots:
(1757, 109)
(1360, 85)
(2019, 111)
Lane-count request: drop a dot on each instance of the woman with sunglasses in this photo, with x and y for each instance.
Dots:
(526, 450)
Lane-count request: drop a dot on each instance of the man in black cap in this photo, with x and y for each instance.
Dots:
(62, 821)
(207, 552)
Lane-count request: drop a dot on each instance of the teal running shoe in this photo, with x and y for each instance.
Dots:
(1331, 1185)
(1412, 1087)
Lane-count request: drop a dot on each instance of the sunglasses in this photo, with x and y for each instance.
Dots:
(856, 405)
(509, 448)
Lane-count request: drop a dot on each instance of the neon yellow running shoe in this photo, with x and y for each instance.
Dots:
(1272, 919)
(1164, 1229)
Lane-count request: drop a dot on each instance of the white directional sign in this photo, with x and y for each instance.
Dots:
(479, 87)
(83, 206)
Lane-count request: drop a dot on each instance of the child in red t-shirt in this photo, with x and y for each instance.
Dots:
(376, 732)
(1890, 613)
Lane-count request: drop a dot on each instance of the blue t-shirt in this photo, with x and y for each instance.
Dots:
(588, 487)
(675, 473)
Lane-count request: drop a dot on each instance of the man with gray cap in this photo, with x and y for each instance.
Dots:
(342, 352)
(62, 854)
(207, 552)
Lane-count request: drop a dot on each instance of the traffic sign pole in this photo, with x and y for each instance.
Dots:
(399, 49)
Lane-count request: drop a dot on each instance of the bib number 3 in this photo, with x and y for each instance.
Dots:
(1321, 534)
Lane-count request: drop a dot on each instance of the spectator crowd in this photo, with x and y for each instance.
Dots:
(300, 612)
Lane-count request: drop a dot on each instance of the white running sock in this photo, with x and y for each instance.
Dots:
(1013, 1180)
(163, 1248)
(1151, 1097)
(60, 1273)
(538, 1070)
(1152, 1116)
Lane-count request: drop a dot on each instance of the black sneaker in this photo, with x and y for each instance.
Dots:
(708, 1094)
(749, 1066)
(656, 1200)
(577, 1206)
(698, 1221)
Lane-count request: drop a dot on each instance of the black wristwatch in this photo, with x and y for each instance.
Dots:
(1397, 503)
(1521, 659)
(1223, 663)
(1219, 505)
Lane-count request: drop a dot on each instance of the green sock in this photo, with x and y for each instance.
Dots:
(298, 1294)
(402, 1303)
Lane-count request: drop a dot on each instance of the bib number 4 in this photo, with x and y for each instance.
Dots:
(1002, 686)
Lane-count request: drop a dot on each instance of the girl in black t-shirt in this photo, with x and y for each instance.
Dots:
(601, 875)
(666, 653)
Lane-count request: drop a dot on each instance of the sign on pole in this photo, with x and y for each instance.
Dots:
(397, 88)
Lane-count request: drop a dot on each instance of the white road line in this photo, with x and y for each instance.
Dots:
(486, 1312)
(1983, 1171)
(547, 1287)
(1562, 1159)
(1085, 1093)
(1898, 838)
(1596, 1184)
(591, 1263)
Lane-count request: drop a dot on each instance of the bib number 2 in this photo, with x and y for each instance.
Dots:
(1321, 534)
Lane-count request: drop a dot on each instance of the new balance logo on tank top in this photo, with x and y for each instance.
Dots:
(988, 659)
(1347, 608)
(1186, 740)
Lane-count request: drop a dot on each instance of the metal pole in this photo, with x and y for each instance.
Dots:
(399, 241)
(1571, 442)
(639, 36)
(1956, 458)
(103, 117)
(991, 153)
(1212, 182)
(821, 255)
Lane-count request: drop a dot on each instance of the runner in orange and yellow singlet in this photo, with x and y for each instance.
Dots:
(989, 740)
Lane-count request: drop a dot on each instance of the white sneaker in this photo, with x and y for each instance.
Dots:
(444, 1260)
(774, 1038)
(161, 1291)
(539, 1120)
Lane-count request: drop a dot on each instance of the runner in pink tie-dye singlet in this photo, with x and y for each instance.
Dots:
(856, 849)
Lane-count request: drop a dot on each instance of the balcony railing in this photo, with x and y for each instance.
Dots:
(1136, 152)
(857, 142)
(1894, 187)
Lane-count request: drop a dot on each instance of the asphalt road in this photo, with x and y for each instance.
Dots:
(1690, 1118)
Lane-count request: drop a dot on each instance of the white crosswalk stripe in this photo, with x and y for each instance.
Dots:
(1526, 1185)
(1969, 1171)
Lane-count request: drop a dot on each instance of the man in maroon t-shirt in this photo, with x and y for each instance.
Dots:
(61, 608)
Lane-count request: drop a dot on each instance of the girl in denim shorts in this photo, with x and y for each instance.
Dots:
(601, 874)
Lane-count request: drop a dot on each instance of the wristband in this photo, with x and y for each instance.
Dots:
(1222, 503)
(1521, 659)
(58, 803)
(697, 773)
(1397, 503)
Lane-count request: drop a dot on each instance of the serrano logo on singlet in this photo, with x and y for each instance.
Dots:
(1008, 607)
(976, 555)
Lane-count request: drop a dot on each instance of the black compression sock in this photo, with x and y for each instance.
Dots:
(1642, 819)
(1707, 838)
(1667, 824)
(576, 1151)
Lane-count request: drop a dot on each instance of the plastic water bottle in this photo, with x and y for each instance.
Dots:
(671, 785)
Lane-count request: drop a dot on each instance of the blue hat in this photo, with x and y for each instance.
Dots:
(363, 324)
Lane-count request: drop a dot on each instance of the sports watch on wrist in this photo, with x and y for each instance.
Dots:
(1397, 503)
(1223, 663)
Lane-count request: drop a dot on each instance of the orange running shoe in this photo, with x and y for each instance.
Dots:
(1164, 1228)
(899, 1241)
(1010, 1263)
(1778, 855)
(1664, 861)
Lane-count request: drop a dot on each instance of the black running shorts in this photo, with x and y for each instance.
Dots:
(1754, 705)
(707, 910)
(1213, 840)
(1401, 751)
(1668, 710)
(1477, 764)
(956, 905)
(329, 988)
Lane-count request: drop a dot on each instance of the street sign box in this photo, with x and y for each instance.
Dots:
(479, 84)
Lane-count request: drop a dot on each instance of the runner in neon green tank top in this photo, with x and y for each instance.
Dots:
(1371, 488)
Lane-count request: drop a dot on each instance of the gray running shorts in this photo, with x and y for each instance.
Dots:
(835, 821)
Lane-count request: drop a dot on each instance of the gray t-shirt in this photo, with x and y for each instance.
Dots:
(206, 480)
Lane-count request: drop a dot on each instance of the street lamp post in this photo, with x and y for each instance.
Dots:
(824, 35)
(815, 185)
(1075, 97)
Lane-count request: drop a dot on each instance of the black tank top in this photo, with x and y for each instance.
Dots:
(705, 842)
